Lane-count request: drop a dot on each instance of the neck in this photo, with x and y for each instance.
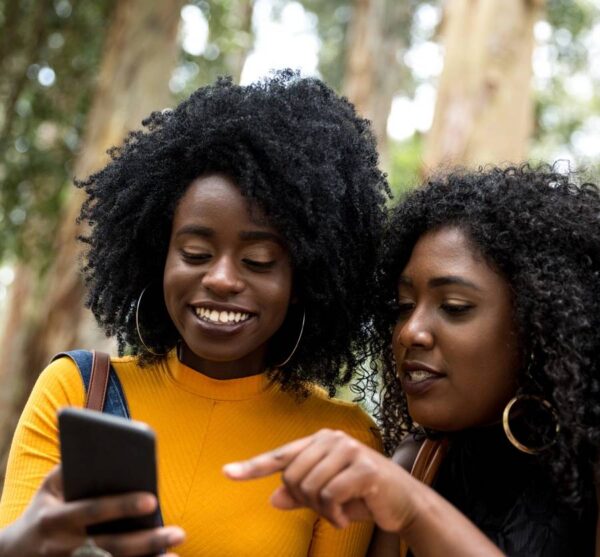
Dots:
(236, 369)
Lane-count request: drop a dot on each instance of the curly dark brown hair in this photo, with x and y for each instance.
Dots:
(303, 156)
(541, 231)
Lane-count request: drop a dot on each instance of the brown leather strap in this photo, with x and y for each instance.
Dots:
(428, 461)
(425, 468)
(98, 381)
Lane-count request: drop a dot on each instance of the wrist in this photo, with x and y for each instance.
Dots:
(420, 505)
(9, 544)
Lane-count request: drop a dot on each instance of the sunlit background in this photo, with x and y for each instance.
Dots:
(51, 59)
(301, 35)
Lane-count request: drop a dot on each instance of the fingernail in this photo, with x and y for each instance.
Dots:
(146, 503)
(176, 535)
(233, 469)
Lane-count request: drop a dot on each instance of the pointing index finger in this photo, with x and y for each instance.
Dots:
(267, 463)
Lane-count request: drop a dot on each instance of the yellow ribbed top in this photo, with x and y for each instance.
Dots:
(200, 424)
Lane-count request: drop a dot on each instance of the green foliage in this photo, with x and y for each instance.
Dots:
(230, 38)
(405, 164)
(569, 96)
(49, 56)
(333, 19)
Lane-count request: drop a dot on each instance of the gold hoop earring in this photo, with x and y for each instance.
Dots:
(297, 342)
(137, 323)
(509, 433)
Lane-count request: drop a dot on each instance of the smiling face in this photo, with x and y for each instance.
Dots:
(455, 342)
(227, 279)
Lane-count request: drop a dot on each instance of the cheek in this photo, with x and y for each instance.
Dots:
(398, 348)
(175, 280)
(490, 377)
(277, 292)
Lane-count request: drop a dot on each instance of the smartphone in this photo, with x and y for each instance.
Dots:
(107, 455)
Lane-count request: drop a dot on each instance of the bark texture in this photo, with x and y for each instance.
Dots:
(484, 109)
(376, 41)
(139, 54)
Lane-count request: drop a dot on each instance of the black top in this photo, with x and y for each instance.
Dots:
(506, 494)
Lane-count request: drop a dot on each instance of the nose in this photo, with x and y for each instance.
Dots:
(223, 278)
(415, 332)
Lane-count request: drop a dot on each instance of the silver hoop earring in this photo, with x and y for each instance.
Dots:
(137, 323)
(297, 342)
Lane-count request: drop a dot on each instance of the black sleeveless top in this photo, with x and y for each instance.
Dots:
(507, 495)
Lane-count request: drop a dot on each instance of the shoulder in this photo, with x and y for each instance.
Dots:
(406, 453)
(126, 364)
(61, 382)
(346, 416)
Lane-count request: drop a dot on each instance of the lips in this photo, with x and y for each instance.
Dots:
(213, 317)
(417, 377)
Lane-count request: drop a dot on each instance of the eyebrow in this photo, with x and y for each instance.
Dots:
(260, 235)
(195, 230)
(246, 235)
(442, 281)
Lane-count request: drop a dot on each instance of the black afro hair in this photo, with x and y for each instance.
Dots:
(541, 232)
(304, 157)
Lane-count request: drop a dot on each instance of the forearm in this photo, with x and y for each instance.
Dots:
(439, 529)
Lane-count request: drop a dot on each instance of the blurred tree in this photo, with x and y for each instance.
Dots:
(139, 53)
(378, 38)
(405, 163)
(484, 108)
(228, 42)
(567, 102)
(49, 54)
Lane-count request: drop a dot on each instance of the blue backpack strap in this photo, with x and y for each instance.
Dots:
(114, 402)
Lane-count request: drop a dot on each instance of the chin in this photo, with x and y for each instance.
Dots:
(430, 418)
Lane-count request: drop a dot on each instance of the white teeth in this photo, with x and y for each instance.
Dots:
(222, 317)
(420, 375)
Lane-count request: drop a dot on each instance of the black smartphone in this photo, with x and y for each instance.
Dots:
(107, 455)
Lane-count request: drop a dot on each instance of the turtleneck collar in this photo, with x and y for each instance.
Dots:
(218, 389)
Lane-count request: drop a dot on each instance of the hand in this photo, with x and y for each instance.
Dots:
(50, 526)
(338, 477)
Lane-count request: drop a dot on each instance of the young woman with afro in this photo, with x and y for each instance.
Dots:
(230, 251)
(489, 294)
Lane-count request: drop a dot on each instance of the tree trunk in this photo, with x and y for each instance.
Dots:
(240, 20)
(484, 108)
(139, 54)
(376, 40)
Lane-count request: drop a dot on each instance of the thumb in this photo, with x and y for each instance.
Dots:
(284, 500)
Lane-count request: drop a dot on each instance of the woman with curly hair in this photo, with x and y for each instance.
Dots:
(228, 251)
(489, 289)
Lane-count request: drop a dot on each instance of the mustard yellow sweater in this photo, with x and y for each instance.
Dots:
(200, 424)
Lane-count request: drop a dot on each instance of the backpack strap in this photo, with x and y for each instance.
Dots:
(96, 394)
(102, 386)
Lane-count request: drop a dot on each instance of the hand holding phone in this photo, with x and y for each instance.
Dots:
(50, 522)
(107, 455)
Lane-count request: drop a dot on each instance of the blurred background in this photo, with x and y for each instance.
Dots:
(444, 82)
